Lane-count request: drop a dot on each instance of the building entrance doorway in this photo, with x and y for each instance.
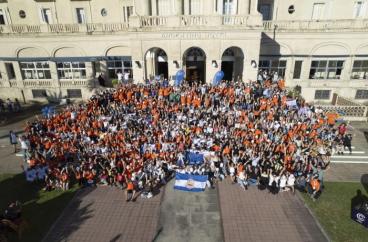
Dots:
(156, 64)
(195, 65)
(232, 62)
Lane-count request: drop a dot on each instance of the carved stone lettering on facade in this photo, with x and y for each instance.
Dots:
(194, 35)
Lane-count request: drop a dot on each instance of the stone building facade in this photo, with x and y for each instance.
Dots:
(52, 49)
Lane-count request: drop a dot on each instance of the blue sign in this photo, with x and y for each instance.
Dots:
(194, 158)
(360, 217)
(218, 78)
(179, 77)
(48, 111)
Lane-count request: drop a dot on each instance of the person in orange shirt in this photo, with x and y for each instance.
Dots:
(331, 119)
(314, 187)
(130, 191)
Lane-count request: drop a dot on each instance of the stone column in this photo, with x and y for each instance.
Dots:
(142, 7)
(138, 71)
(54, 74)
(104, 71)
(4, 75)
(208, 7)
(304, 75)
(289, 72)
(346, 71)
(254, 7)
(243, 7)
(220, 4)
(179, 7)
(18, 73)
(154, 7)
(211, 70)
(186, 7)
(90, 75)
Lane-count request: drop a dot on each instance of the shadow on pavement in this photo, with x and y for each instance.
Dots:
(26, 112)
(40, 209)
(71, 218)
(364, 181)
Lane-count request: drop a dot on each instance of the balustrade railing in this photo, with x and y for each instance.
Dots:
(188, 21)
(347, 111)
(35, 83)
(193, 20)
(13, 83)
(234, 20)
(153, 21)
(316, 25)
(63, 28)
(73, 83)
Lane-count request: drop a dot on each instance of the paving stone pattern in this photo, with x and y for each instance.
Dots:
(255, 215)
(190, 216)
(102, 214)
(346, 172)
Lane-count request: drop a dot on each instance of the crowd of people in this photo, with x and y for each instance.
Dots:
(135, 138)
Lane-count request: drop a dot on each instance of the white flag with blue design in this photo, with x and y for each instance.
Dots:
(190, 183)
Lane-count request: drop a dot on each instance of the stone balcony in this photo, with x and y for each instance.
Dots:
(139, 22)
(345, 25)
(148, 23)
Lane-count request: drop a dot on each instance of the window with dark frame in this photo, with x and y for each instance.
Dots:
(10, 70)
(74, 93)
(35, 70)
(297, 69)
(360, 69)
(278, 66)
(2, 17)
(71, 70)
(361, 94)
(39, 93)
(118, 65)
(326, 69)
(322, 94)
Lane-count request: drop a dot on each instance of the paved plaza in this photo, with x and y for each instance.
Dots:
(190, 216)
(253, 215)
(102, 214)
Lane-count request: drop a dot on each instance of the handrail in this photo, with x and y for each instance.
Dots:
(188, 21)
(321, 25)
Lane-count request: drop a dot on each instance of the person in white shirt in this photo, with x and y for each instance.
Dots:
(283, 180)
(126, 76)
(291, 182)
(24, 146)
(273, 182)
(242, 180)
(232, 172)
(120, 76)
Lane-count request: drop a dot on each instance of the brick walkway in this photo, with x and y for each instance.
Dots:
(260, 216)
(102, 214)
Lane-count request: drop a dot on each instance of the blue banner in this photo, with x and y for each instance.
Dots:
(194, 158)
